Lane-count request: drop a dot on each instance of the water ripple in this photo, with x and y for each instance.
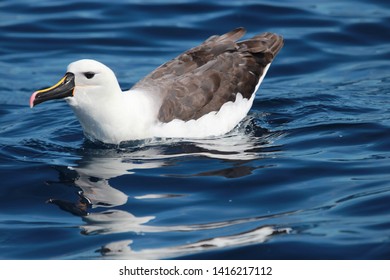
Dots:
(308, 168)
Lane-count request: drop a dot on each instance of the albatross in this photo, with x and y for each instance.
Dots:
(205, 91)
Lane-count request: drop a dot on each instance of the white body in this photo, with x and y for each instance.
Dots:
(111, 116)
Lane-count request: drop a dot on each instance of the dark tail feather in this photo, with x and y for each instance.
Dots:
(231, 36)
(267, 43)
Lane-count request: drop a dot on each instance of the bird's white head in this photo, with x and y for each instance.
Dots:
(86, 81)
(93, 92)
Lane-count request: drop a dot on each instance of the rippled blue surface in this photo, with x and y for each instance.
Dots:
(305, 176)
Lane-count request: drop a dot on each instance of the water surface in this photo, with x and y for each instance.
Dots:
(304, 176)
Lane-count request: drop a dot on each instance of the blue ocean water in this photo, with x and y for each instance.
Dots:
(305, 176)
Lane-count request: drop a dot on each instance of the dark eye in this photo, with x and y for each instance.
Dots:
(89, 75)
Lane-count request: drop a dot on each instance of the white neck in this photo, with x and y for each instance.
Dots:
(115, 118)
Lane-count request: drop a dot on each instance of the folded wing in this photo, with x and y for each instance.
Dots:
(202, 79)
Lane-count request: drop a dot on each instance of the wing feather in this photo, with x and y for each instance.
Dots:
(205, 77)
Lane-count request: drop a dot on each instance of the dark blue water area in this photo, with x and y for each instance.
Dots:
(306, 175)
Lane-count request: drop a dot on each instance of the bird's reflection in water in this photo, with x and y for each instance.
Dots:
(122, 249)
(98, 165)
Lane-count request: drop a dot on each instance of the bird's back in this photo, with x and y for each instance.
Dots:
(202, 79)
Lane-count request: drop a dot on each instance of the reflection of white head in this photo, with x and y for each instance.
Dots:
(98, 192)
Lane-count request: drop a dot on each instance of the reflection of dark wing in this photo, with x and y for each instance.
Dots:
(205, 77)
(79, 208)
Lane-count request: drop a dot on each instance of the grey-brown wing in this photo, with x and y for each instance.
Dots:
(205, 77)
